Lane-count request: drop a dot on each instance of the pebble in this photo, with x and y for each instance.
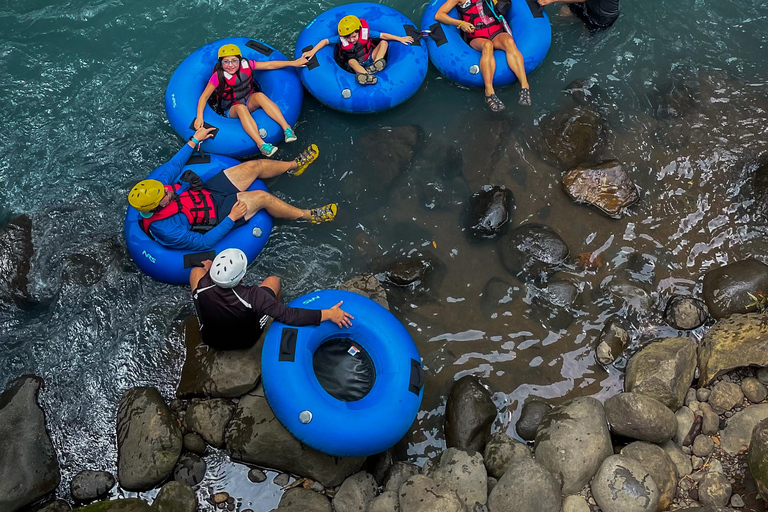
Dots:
(194, 443)
(282, 479)
(762, 376)
(754, 390)
(690, 396)
(725, 396)
(693, 494)
(703, 445)
(220, 497)
(736, 501)
(697, 462)
(686, 450)
(257, 476)
(715, 466)
(317, 487)
(728, 414)
(702, 394)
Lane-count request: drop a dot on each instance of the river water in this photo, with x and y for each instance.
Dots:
(82, 85)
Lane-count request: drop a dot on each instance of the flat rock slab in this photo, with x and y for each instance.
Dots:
(663, 370)
(733, 342)
(605, 186)
(368, 286)
(737, 433)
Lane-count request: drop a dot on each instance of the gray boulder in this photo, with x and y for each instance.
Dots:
(606, 186)
(685, 313)
(255, 436)
(737, 433)
(209, 418)
(714, 490)
(501, 451)
(733, 342)
(387, 501)
(299, 499)
(640, 417)
(398, 474)
(190, 469)
(368, 286)
(573, 441)
(532, 251)
(149, 439)
(726, 289)
(464, 473)
(469, 414)
(16, 252)
(423, 494)
(526, 486)
(725, 396)
(531, 417)
(663, 370)
(623, 485)
(758, 456)
(490, 211)
(28, 466)
(175, 497)
(91, 485)
(355, 493)
(659, 465)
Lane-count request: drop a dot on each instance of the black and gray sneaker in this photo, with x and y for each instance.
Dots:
(525, 97)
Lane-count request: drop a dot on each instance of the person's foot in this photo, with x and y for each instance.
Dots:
(267, 149)
(494, 103)
(323, 214)
(525, 97)
(366, 79)
(289, 135)
(377, 66)
(305, 158)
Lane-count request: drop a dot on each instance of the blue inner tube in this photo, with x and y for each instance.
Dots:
(454, 58)
(337, 88)
(188, 81)
(343, 427)
(173, 265)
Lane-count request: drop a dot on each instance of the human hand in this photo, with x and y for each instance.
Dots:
(239, 209)
(207, 265)
(307, 56)
(468, 27)
(339, 316)
(198, 123)
(203, 133)
(299, 63)
(406, 40)
(545, 2)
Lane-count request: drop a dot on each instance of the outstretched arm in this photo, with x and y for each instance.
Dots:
(311, 53)
(201, 104)
(390, 37)
(279, 64)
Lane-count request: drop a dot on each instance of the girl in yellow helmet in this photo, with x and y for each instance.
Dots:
(237, 94)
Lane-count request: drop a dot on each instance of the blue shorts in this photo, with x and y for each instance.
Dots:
(368, 62)
(224, 195)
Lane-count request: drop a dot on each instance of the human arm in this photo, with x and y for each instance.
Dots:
(279, 64)
(389, 37)
(209, 88)
(337, 316)
(307, 56)
(176, 232)
(197, 273)
(547, 2)
(170, 171)
(443, 17)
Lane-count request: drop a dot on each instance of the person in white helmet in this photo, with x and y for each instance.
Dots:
(233, 316)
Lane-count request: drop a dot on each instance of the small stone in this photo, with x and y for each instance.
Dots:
(693, 493)
(737, 501)
(702, 394)
(715, 466)
(728, 414)
(754, 390)
(530, 418)
(282, 479)
(725, 396)
(762, 376)
(230, 500)
(257, 476)
(220, 497)
(87, 486)
(690, 396)
(685, 419)
(575, 503)
(317, 487)
(231, 507)
(703, 446)
(190, 469)
(194, 443)
(697, 462)
(710, 421)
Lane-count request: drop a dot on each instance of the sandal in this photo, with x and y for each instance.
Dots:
(377, 66)
(305, 158)
(366, 79)
(267, 149)
(525, 97)
(323, 214)
(494, 103)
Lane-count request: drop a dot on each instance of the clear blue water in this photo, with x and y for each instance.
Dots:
(82, 87)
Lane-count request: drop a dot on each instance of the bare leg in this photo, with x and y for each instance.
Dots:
(243, 175)
(274, 284)
(356, 67)
(241, 112)
(514, 57)
(260, 100)
(256, 200)
(380, 51)
(487, 62)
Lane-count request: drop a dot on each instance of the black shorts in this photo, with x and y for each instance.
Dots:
(580, 10)
(224, 195)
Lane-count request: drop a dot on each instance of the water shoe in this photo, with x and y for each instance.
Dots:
(494, 103)
(305, 158)
(525, 97)
(377, 66)
(289, 135)
(366, 79)
(268, 149)
(323, 214)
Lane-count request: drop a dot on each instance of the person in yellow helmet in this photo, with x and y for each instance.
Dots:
(359, 49)
(237, 94)
(180, 211)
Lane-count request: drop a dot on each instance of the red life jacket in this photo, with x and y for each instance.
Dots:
(361, 50)
(197, 207)
(474, 12)
(238, 87)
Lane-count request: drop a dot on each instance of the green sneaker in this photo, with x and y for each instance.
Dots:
(290, 136)
(305, 158)
(268, 149)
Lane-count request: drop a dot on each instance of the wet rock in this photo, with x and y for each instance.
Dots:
(685, 421)
(532, 251)
(736, 341)
(490, 210)
(148, 439)
(531, 417)
(29, 469)
(379, 464)
(423, 494)
(123, 505)
(553, 304)
(463, 473)
(570, 136)
(623, 485)
(194, 443)
(480, 156)
(737, 433)
(469, 413)
(282, 480)
(726, 289)
(216, 373)
(685, 313)
(190, 469)
(681, 99)
(612, 342)
(575, 503)
(757, 457)
(583, 90)
(702, 446)
(526, 486)
(299, 499)
(640, 417)
(368, 286)
(681, 460)
(387, 501)
(87, 486)
(257, 476)
(573, 441)
(355, 493)
(209, 418)
(754, 390)
(659, 465)
(663, 370)
(398, 474)
(409, 272)
(497, 293)
(16, 252)
(605, 186)
(725, 396)
(56, 506)
(256, 437)
(714, 490)
(501, 451)
(175, 497)
(631, 294)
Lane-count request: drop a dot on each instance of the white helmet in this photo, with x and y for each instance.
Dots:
(229, 268)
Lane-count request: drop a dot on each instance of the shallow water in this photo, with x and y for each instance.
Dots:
(83, 82)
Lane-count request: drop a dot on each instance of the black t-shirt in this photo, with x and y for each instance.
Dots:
(602, 12)
(231, 318)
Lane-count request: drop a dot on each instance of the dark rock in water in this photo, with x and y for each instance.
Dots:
(126, 505)
(194, 443)
(88, 267)
(526, 486)
(481, 153)
(633, 295)
(190, 469)
(420, 273)
(469, 414)
(553, 304)
(490, 210)
(570, 136)
(583, 91)
(760, 183)
(436, 175)
(612, 342)
(29, 469)
(606, 186)
(663, 370)
(758, 456)
(368, 286)
(496, 294)
(682, 98)
(531, 417)
(685, 313)
(257, 476)
(637, 416)
(175, 497)
(148, 439)
(91, 485)
(406, 273)
(733, 342)
(727, 289)
(16, 251)
(255, 436)
(532, 251)
(299, 499)
(379, 465)
(209, 418)
(217, 373)
(56, 506)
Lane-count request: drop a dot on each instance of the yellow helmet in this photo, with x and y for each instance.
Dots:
(349, 24)
(146, 195)
(229, 49)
